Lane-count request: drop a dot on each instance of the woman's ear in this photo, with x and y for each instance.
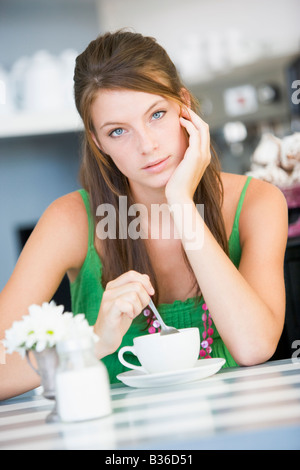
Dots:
(186, 97)
(94, 138)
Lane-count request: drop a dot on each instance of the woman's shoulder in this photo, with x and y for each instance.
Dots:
(264, 205)
(258, 191)
(66, 216)
(69, 209)
(73, 197)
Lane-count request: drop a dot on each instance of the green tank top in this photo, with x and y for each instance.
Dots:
(87, 291)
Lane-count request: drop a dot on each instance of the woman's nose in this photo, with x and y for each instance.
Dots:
(147, 142)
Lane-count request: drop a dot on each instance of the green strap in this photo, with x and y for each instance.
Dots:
(240, 204)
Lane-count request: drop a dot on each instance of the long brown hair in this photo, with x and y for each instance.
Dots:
(128, 60)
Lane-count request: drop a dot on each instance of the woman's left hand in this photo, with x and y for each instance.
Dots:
(185, 179)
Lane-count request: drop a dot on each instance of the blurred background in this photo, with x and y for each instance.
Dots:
(240, 59)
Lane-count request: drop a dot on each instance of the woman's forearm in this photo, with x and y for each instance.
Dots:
(16, 376)
(244, 321)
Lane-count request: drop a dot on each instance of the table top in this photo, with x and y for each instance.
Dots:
(240, 408)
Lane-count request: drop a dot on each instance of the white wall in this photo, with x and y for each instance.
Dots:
(271, 23)
(36, 170)
(33, 172)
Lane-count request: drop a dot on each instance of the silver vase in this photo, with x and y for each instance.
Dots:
(47, 362)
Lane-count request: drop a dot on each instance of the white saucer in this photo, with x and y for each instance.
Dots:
(203, 368)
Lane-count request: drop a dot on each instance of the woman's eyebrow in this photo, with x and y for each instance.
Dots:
(119, 123)
(162, 100)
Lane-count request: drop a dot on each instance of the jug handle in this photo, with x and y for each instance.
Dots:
(30, 363)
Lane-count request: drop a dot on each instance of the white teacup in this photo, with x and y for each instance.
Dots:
(164, 353)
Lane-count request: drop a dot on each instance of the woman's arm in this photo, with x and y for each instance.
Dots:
(247, 305)
(57, 244)
(123, 300)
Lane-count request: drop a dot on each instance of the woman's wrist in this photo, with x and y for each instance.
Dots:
(178, 199)
(189, 222)
(101, 349)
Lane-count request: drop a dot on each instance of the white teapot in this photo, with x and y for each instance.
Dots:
(43, 90)
(6, 93)
(67, 64)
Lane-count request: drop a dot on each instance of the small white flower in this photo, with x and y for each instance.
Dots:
(44, 327)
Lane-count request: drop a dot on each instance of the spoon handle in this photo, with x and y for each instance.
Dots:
(154, 310)
(165, 330)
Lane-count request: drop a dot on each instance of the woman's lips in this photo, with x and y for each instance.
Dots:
(155, 167)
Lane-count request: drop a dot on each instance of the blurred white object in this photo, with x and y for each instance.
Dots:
(17, 79)
(240, 100)
(268, 150)
(290, 151)
(43, 82)
(43, 85)
(67, 64)
(82, 383)
(192, 61)
(277, 160)
(200, 58)
(295, 175)
(235, 132)
(6, 98)
(217, 54)
(241, 50)
(271, 174)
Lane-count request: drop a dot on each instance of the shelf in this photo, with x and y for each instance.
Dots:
(29, 124)
(241, 73)
(61, 121)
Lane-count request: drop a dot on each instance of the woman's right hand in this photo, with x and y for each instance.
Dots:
(123, 299)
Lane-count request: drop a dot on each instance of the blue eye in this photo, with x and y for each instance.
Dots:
(158, 114)
(116, 132)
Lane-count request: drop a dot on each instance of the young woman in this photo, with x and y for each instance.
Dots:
(221, 270)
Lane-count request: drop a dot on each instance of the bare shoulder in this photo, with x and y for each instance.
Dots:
(57, 245)
(66, 220)
(260, 195)
(70, 205)
(264, 197)
(264, 207)
(264, 212)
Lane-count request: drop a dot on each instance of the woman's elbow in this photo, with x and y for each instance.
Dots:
(253, 356)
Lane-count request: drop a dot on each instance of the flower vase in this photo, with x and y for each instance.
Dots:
(47, 362)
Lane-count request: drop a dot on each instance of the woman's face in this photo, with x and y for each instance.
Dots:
(141, 132)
